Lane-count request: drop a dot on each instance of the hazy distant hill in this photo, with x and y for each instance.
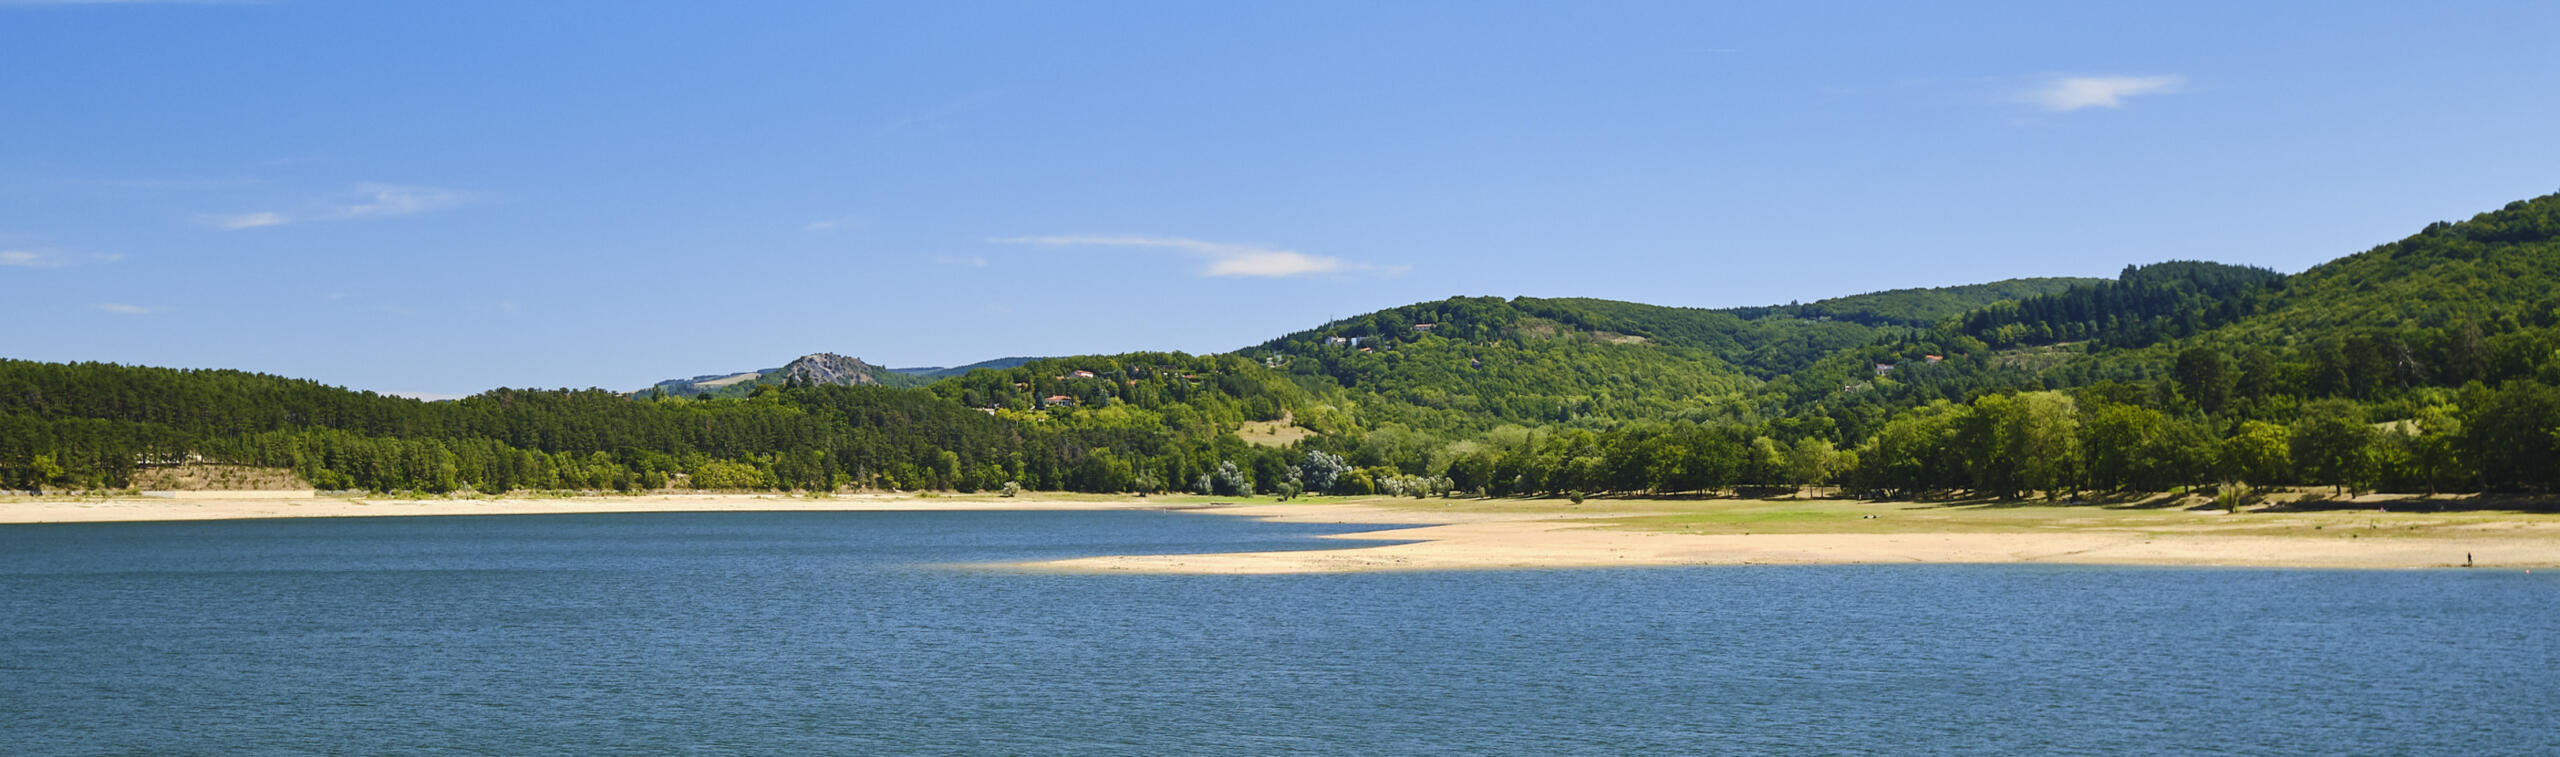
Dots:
(938, 372)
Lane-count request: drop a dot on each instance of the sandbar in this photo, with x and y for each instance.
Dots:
(1459, 539)
(1414, 535)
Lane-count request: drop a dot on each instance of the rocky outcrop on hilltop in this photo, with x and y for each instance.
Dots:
(831, 369)
(821, 369)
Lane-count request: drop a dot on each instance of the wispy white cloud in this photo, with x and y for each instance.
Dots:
(248, 220)
(1226, 259)
(119, 308)
(366, 200)
(1274, 263)
(971, 262)
(831, 224)
(52, 259)
(2068, 93)
(386, 200)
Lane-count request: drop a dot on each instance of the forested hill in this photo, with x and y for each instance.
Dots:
(1191, 391)
(1471, 363)
(2081, 335)
(1486, 317)
(1917, 308)
(936, 373)
(1164, 418)
(2431, 363)
(1761, 341)
(2145, 304)
(2426, 363)
(2402, 325)
(2479, 299)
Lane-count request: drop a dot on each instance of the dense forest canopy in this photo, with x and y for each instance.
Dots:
(1917, 308)
(2428, 364)
(2143, 305)
(1762, 341)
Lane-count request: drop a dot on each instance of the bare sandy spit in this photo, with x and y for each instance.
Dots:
(1513, 534)
(1462, 540)
(212, 505)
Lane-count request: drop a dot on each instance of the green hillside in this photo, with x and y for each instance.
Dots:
(937, 373)
(2039, 342)
(1761, 341)
(1469, 363)
(2475, 301)
(1918, 308)
(2427, 364)
(91, 425)
(2457, 302)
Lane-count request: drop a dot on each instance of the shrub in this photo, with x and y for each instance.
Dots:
(1231, 481)
(1322, 470)
(2230, 495)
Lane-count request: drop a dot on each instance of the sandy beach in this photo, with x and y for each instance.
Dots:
(1462, 539)
(1500, 534)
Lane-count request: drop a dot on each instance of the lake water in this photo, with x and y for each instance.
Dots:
(790, 633)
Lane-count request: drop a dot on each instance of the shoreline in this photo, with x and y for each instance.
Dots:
(1535, 534)
(228, 505)
(1539, 540)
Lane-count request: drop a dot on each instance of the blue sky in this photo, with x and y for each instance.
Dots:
(444, 197)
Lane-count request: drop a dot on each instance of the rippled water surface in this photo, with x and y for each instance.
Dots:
(783, 633)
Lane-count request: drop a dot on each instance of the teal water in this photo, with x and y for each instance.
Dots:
(848, 633)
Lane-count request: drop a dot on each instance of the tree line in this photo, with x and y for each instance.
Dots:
(92, 425)
(2423, 365)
